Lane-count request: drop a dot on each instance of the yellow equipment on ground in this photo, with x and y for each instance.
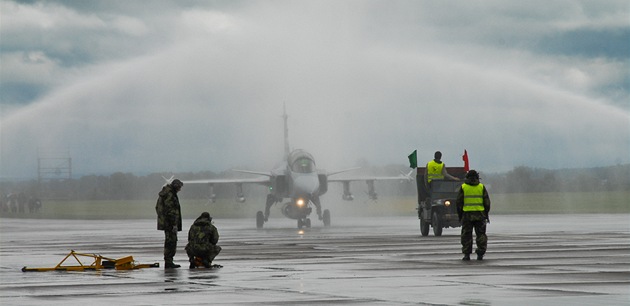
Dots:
(199, 263)
(99, 262)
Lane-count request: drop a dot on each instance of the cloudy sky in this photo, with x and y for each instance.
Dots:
(152, 86)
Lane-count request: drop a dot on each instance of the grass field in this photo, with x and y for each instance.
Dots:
(558, 203)
(518, 203)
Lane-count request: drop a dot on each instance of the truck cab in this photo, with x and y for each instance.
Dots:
(436, 205)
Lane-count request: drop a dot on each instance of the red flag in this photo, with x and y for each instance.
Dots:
(465, 159)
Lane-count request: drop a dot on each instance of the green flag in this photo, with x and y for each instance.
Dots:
(413, 159)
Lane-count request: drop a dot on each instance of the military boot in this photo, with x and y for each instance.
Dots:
(206, 263)
(466, 257)
(192, 263)
(479, 256)
(170, 265)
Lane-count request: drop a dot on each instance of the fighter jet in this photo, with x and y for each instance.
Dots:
(297, 179)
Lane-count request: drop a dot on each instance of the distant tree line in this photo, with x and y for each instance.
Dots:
(525, 179)
(117, 186)
(127, 186)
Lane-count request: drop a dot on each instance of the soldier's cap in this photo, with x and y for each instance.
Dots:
(206, 215)
(472, 174)
(177, 182)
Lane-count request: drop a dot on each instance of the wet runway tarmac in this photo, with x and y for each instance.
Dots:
(531, 259)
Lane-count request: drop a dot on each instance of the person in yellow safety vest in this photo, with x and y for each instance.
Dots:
(436, 170)
(473, 208)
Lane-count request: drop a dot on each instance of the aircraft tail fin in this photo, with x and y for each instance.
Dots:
(407, 176)
(168, 180)
(286, 133)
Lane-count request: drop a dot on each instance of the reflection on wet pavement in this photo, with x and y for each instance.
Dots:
(575, 259)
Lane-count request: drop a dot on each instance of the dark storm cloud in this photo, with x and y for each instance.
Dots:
(588, 43)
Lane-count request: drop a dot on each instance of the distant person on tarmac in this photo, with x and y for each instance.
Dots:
(473, 208)
(203, 237)
(436, 170)
(169, 220)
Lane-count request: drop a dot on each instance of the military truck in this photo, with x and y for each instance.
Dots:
(436, 206)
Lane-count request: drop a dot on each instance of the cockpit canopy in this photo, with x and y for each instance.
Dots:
(301, 162)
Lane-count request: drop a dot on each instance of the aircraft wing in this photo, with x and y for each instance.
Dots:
(371, 178)
(253, 172)
(347, 195)
(256, 180)
(401, 177)
(238, 182)
(340, 171)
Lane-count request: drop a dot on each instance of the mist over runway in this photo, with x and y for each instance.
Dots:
(531, 259)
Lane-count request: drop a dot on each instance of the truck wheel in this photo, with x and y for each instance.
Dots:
(260, 219)
(424, 227)
(436, 222)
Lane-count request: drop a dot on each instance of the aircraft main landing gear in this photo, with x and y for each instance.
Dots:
(260, 219)
(326, 217)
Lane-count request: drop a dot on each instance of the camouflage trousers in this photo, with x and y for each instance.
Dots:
(208, 252)
(476, 221)
(170, 245)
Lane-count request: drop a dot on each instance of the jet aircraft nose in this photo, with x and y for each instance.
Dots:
(306, 184)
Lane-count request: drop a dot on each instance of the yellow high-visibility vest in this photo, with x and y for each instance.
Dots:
(434, 171)
(473, 197)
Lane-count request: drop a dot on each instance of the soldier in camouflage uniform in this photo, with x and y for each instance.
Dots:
(169, 219)
(473, 208)
(202, 241)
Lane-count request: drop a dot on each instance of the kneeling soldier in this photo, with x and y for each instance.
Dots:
(202, 241)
